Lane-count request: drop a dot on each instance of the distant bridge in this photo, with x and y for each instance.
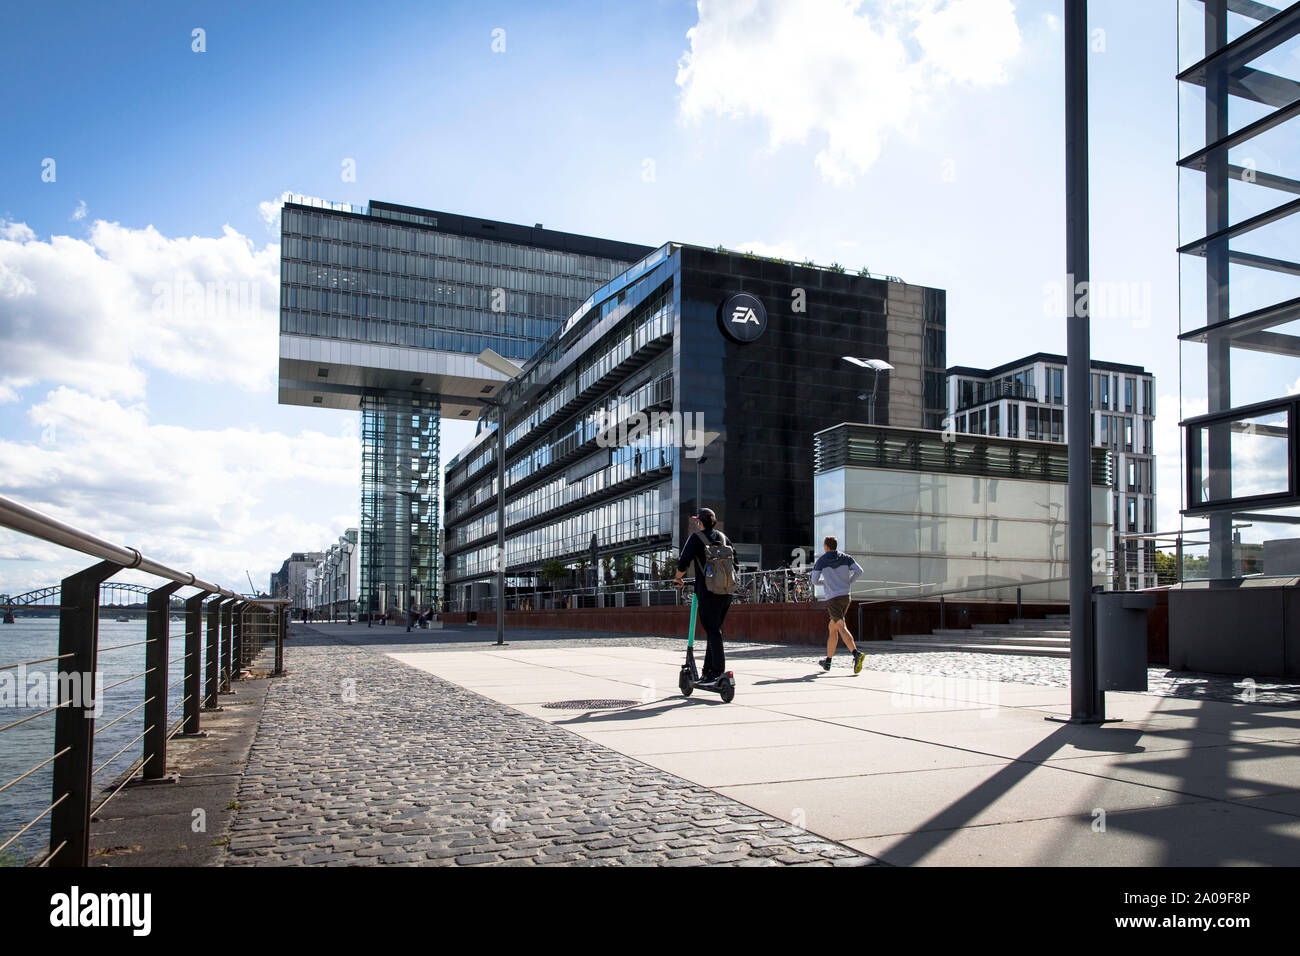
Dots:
(116, 597)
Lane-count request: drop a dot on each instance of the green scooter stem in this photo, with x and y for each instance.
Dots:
(690, 639)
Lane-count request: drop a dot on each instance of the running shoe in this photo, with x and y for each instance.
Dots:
(825, 662)
(858, 658)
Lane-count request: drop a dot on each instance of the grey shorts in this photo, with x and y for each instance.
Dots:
(837, 607)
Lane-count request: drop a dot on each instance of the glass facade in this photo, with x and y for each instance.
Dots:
(376, 305)
(1239, 139)
(605, 439)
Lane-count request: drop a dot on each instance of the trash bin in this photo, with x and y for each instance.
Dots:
(1120, 624)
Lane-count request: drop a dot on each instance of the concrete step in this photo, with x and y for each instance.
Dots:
(956, 633)
(977, 648)
(977, 638)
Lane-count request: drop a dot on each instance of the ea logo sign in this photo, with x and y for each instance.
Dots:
(742, 318)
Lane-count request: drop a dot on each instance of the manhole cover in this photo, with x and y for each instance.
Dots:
(589, 704)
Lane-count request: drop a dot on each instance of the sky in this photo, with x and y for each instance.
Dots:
(147, 147)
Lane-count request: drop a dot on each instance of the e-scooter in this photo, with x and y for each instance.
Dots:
(689, 679)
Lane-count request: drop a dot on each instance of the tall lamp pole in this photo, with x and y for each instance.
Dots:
(878, 366)
(1087, 702)
(499, 363)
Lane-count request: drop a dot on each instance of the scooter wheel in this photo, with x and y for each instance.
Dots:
(727, 691)
(684, 683)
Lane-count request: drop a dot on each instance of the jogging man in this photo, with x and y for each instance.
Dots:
(837, 571)
(712, 607)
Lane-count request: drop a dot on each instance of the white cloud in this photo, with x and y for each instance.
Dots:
(269, 210)
(15, 232)
(849, 71)
(94, 314)
(190, 498)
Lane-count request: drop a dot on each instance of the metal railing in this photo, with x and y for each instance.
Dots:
(240, 631)
(774, 586)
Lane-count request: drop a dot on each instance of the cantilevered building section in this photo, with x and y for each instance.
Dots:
(383, 309)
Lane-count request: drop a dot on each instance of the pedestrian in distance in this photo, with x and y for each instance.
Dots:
(712, 607)
(837, 571)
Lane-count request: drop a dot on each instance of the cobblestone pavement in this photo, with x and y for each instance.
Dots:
(362, 760)
(1044, 671)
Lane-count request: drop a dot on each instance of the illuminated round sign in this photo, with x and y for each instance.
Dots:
(742, 317)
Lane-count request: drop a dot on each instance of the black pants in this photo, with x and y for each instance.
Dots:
(712, 610)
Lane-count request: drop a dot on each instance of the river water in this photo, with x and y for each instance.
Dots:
(26, 745)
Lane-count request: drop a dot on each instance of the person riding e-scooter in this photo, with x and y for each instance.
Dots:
(712, 607)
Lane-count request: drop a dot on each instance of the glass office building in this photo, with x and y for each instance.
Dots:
(925, 513)
(605, 435)
(383, 309)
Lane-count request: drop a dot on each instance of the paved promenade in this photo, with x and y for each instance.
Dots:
(437, 748)
(361, 759)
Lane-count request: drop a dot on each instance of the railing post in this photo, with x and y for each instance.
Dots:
(193, 664)
(942, 625)
(213, 657)
(282, 621)
(227, 626)
(237, 643)
(1019, 612)
(74, 726)
(157, 634)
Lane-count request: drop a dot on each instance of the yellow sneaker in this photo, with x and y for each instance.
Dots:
(858, 658)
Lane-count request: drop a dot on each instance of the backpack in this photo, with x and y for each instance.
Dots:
(719, 565)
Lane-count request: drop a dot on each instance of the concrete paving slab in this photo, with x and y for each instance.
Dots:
(636, 741)
(1230, 772)
(869, 755)
(1012, 733)
(948, 798)
(1198, 834)
(855, 706)
(666, 712)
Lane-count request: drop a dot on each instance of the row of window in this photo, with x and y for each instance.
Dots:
(307, 251)
(339, 229)
(377, 310)
(638, 516)
(438, 291)
(411, 336)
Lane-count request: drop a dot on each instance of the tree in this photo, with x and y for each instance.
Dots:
(554, 572)
(625, 570)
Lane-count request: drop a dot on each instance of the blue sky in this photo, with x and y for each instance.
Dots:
(936, 155)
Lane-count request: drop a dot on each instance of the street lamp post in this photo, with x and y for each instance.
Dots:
(878, 366)
(499, 363)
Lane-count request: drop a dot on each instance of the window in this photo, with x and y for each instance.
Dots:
(994, 413)
(1056, 378)
(1105, 430)
(1013, 420)
(1128, 394)
(1128, 434)
(1148, 407)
